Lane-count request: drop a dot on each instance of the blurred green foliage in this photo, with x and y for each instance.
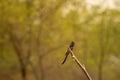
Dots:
(34, 35)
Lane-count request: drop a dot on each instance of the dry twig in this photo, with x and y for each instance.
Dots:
(79, 64)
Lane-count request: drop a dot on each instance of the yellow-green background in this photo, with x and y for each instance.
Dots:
(34, 35)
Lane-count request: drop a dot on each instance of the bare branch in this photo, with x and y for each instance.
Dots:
(79, 64)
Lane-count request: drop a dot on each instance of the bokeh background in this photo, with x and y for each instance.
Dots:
(34, 35)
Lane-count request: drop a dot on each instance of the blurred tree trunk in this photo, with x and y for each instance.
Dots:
(104, 42)
(84, 44)
(102, 49)
(43, 17)
(16, 42)
(41, 69)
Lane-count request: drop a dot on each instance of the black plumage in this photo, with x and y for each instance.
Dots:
(67, 52)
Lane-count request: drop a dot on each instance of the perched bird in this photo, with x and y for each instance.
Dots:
(68, 52)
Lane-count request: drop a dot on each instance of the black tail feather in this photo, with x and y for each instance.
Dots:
(65, 59)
